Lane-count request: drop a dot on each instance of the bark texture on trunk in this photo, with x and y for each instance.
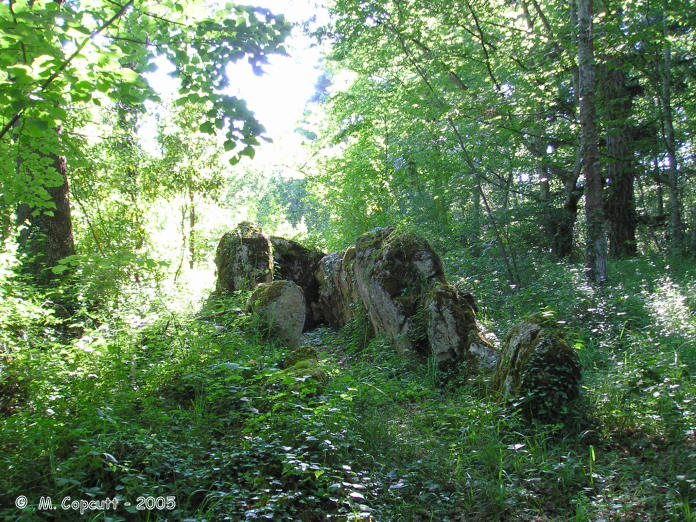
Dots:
(676, 228)
(620, 205)
(692, 237)
(5, 223)
(563, 222)
(48, 235)
(192, 230)
(596, 248)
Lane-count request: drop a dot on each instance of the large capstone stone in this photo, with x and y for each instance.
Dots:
(394, 278)
(243, 259)
(399, 280)
(280, 306)
(538, 371)
(294, 262)
(338, 300)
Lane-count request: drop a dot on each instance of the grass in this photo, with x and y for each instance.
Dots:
(200, 408)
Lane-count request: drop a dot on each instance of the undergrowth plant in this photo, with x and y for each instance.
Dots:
(202, 408)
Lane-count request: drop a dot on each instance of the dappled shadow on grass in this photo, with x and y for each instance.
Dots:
(204, 410)
(636, 338)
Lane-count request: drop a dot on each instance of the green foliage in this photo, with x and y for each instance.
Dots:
(459, 125)
(461, 118)
(58, 57)
(191, 161)
(203, 409)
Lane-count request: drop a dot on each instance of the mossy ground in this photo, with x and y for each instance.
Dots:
(202, 410)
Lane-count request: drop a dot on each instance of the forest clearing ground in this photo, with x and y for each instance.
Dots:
(203, 410)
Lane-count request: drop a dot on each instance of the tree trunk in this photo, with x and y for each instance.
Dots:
(5, 223)
(675, 220)
(544, 186)
(620, 203)
(558, 223)
(48, 235)
(596, 248)
(564, 221)
(692, 239)
(192, 231)
(660, 201)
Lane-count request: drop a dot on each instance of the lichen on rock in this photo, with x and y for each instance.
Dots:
(538, 371)
(393, 272)
(243, 259)
(338, 297)
(280, 307)
(453, 333)
(294, 262)
(394, 278)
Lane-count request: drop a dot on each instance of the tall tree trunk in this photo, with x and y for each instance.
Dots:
(564, 221)
(5, 223)
(564, 218)
(692, 237)
(675, 219)
(476, 224)
(558, 223)
(48, 236)
(192, 230)
(596, 248)
(660, 200)
(620, 203)
(544, 186)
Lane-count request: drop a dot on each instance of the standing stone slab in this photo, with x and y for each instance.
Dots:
(401, 283)
(393, 273)
(243, 259)
(294, 262)
(280, 305)
(453, 334)
(537, 369)
(338, 298)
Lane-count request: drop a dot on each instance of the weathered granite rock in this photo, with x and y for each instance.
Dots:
(401, 283)
(281, 307)
(393, 274)
(538, 370)
(453, 334)
(338, 298)
(394, 278)
(294, 262)
(243, 259)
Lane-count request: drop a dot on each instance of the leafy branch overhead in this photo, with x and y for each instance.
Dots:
(54, 55)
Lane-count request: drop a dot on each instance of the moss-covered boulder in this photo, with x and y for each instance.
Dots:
(398, 281)
(452, 332)
(394, 272)
(538, 371)
(280, 307)
(243, 259)
(294, 262)
(338, 300)
(305, 377)
(301, 353)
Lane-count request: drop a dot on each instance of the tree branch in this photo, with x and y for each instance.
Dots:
(66, 62)
(513, 275)
(482, 39)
